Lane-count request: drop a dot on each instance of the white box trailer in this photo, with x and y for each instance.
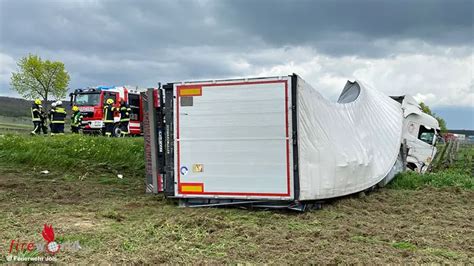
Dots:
(268, 141)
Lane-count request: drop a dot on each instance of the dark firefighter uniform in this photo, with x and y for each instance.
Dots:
(44, 120)
(124, 118)
(50, 116)
(76, 120)
(37, 117)
(109, 110)
(57, 119)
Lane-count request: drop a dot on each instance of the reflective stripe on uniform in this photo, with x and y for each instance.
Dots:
(33, 110)
(106, 111)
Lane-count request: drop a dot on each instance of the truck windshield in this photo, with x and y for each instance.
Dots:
(426, 135)
(87, 99)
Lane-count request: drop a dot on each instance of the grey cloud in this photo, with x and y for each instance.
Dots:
(331, 25)
(110, 27)
(141, 42)
(142, 27)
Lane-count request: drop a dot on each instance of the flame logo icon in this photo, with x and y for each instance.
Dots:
(48, 235)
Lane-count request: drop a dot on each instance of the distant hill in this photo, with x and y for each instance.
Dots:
(17, 107)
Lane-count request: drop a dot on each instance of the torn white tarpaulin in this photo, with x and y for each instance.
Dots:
(348, 146)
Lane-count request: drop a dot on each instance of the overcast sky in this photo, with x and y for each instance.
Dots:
(423, 48)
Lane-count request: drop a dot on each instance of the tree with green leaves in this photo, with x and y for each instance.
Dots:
(442, 124)
(37, 78)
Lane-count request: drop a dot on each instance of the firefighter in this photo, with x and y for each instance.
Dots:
(76, 120)
(109, 110)
(124, 117)
(57, 121)
(36, 116)
(44, 120)
(50, 116)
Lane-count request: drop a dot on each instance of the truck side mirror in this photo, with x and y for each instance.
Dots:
(71, 96)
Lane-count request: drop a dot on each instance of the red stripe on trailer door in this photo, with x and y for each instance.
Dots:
(288, 192)
(287, 141)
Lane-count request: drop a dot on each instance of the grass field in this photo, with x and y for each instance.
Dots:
(417, 219)
(15, 124)
(458, 175)
(22, 125)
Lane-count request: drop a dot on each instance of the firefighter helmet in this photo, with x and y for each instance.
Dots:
(75, 108)
(38, 101)
(53, 104)
(59, 103)
(110, 101)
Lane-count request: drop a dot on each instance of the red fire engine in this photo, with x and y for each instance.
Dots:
(91, 103)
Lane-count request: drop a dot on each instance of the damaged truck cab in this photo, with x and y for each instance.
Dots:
(420, 133)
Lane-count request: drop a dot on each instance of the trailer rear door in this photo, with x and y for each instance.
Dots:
(233, 139)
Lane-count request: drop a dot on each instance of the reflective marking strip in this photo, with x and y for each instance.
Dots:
(190, 91)
(192, 187)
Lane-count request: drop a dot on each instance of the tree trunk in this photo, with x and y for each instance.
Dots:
(45, 99)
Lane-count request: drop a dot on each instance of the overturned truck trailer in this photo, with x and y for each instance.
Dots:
(272, 141)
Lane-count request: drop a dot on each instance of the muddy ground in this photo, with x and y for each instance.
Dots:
(114, 221)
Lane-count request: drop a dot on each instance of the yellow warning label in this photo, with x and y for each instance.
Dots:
(198, 168)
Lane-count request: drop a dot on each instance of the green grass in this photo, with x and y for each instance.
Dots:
(106, 156)
(446, 178)
(15, 124)
(116, 222)
(458, 175)
(16, 121)
(75, 153)
(448, 254)
(404, 245)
